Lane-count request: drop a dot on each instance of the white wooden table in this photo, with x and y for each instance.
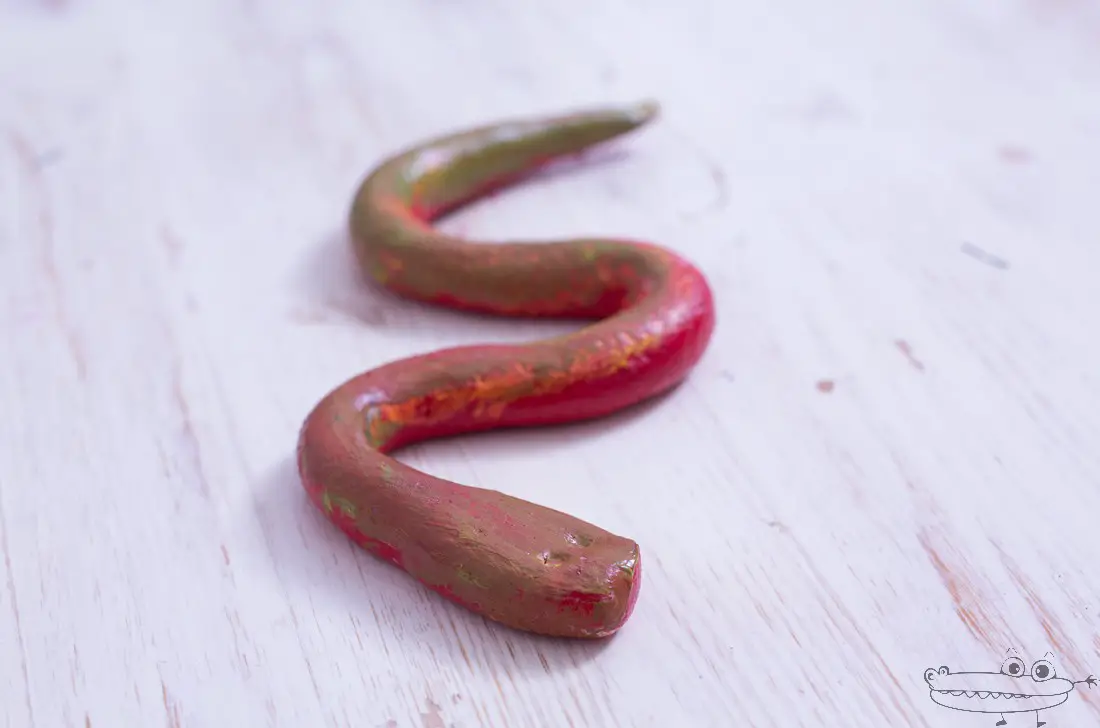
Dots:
(887, 461)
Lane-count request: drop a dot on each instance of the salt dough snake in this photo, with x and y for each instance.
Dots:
(651, 317)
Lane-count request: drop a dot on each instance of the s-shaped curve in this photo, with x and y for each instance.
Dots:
(521, 564)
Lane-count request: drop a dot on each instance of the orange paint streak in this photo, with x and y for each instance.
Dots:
(487, 396)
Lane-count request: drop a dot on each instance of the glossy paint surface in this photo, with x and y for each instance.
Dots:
(513, 561)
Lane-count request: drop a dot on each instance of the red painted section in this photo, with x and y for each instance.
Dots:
(580, 602)
(446, 591)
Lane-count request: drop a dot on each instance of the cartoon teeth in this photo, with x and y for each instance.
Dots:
(985, 694)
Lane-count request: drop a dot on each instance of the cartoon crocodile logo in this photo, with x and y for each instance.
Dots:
(1012, 690)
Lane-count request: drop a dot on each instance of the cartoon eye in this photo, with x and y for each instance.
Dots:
(1042, 670)
(1013, 667)
(943, 670)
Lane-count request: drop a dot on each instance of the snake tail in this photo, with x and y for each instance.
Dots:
(647, 313)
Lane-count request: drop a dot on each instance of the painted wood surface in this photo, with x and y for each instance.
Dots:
(886, 462)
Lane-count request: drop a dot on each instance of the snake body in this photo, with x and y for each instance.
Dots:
(651, 317)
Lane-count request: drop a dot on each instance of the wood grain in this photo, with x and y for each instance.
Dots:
(886, 462)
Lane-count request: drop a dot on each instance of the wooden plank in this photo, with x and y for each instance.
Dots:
(885, 463)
